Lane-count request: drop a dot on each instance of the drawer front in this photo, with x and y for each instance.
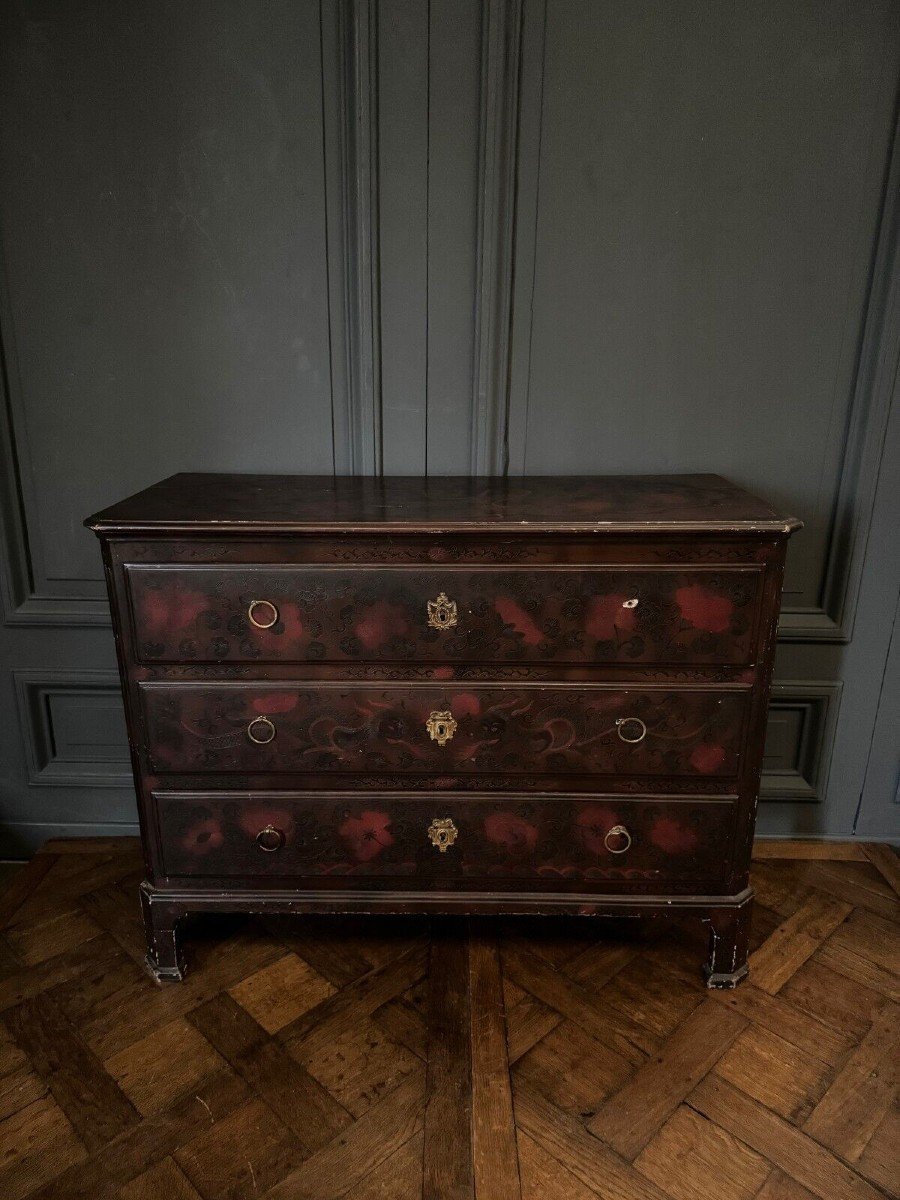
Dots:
(315, 728)
(564, 842)
(298, 614)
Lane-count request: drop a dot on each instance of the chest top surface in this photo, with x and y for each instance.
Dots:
(235, 503)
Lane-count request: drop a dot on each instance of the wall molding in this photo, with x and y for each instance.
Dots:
(501, 59)
(45, 764)
(805, 779)
(877, 366)
(358, 428)
(24, 602)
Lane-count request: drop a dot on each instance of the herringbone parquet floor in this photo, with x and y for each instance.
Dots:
(311, 1059)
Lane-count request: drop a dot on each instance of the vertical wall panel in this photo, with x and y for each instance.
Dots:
(455, 95)
(403, 141)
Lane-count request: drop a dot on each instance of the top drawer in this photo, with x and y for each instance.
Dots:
(292, 614)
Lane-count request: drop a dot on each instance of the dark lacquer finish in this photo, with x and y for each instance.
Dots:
(560, 844)
(446, 695)
(584, 729)
(645, 504)
(261, 613)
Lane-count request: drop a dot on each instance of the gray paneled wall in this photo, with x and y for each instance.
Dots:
(445, 237)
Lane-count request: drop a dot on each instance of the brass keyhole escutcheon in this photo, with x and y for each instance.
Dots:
(442, 833)
(442, 612)
(441, 727)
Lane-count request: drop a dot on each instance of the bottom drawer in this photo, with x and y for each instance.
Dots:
(553, 843)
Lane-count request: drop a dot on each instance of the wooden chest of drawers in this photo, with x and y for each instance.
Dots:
(446, 695)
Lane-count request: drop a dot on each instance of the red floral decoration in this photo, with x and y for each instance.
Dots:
(513, 614)
(166, 610)
(202, 837)
(514, 833)
(379, 623)
(707, 759)
(673, 837)
(465, 704)
(367, 835)
(593, 823)
(287, 629)
(704, 609)
(606, 616)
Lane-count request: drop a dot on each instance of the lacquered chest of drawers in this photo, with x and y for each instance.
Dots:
(446, 695)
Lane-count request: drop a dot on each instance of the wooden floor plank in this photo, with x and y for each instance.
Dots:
(240, 1156)
(344, 1163)
(157, 1137)
(545, 1178)
(93, 1102)
(777, 1074)
(22, 885)
(163, 1179)
(803, 848)
(305, 1107)
(573, 1070)
(880, 1161)
(843, 960)
(37, 1144)
(797, 1154)
(494, 1153)
(336, 1014)
(694, 1159)
(566, 1139)
(857, 884)
(448, 1167)
(630, 1117)
(886, 859)
(794, 941)
(526, 1024)
(859, 1098)
(397, 1177)
(792, 1024)
(578, 1003)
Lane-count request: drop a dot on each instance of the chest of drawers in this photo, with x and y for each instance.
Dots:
(446, 695)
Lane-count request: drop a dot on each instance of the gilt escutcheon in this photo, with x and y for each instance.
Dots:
(441, 727)
(442, 612)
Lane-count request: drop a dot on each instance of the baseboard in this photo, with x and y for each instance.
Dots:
(21, 839)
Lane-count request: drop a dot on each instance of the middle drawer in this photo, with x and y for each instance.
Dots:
(529, 728)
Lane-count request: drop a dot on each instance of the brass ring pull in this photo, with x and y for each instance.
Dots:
(262, 604)
(270, 839)
(626, 725)
(619, 832)
(441, 727)
(442, 612)
(442, 833)
(263, 726)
